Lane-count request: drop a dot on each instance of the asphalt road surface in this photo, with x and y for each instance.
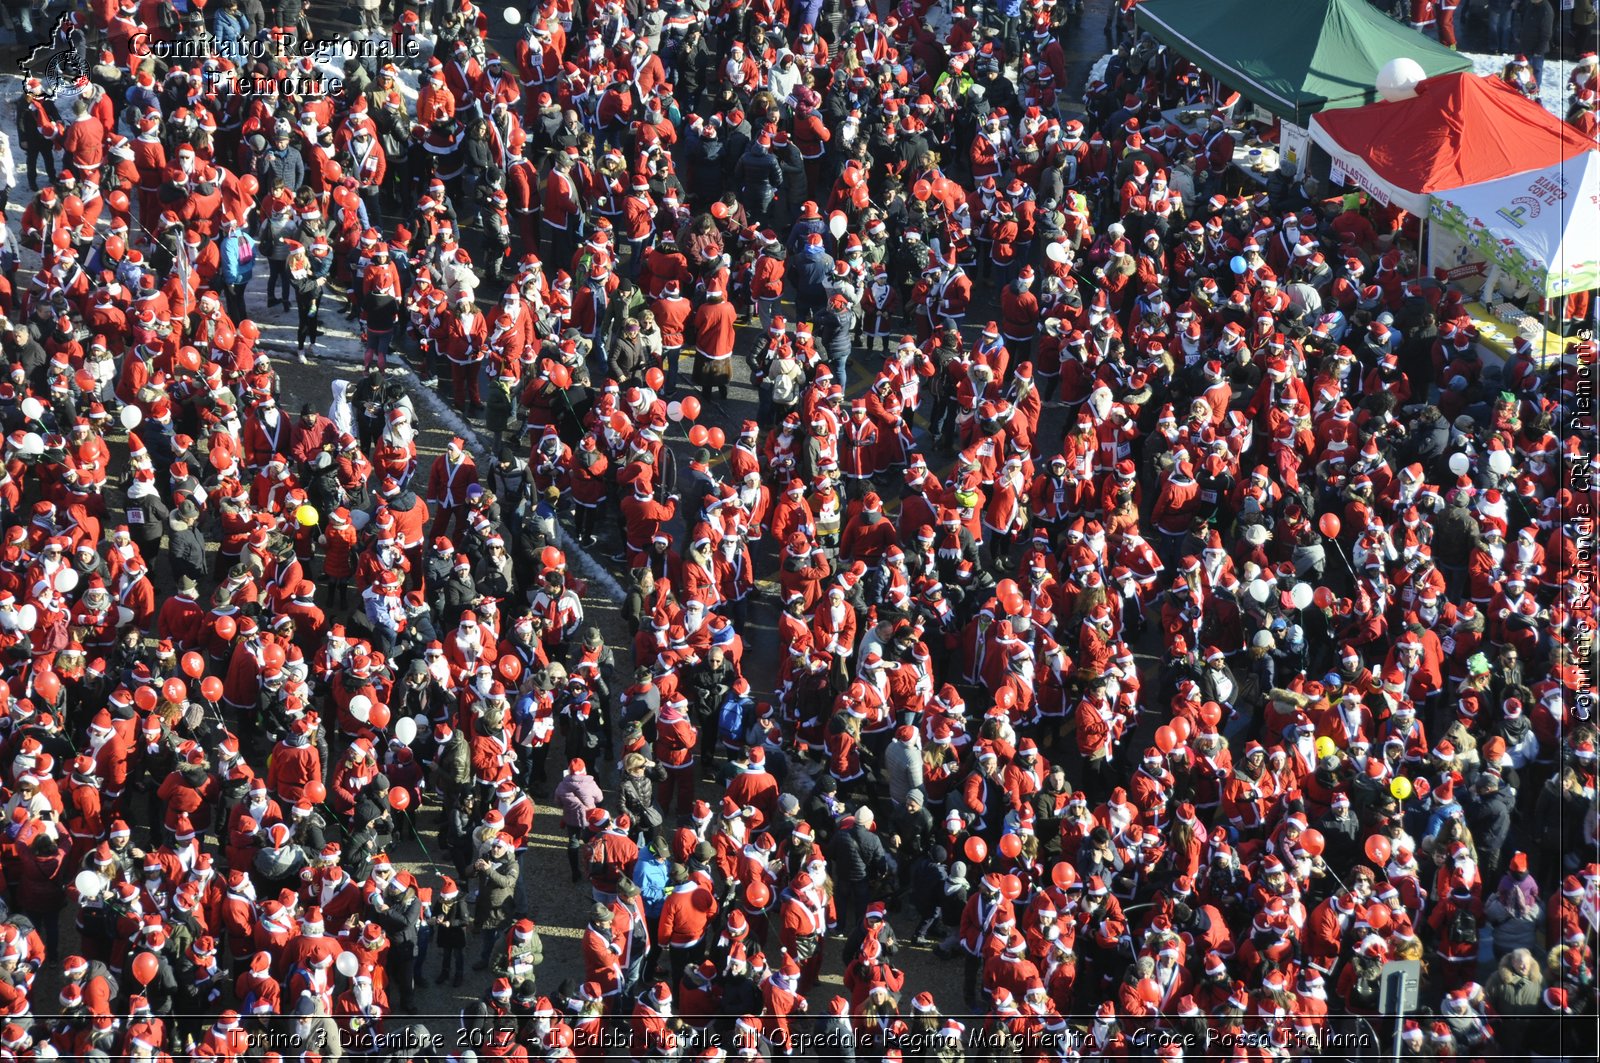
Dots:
(555, 903)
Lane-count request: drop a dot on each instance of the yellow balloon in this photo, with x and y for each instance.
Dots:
(1400, 788)
(1325, 747)
(306, 516)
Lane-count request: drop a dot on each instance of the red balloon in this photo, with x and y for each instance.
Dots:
(1313, 842)
(552, 557)
(273, 655)
(399, 798)
(315, 792)
(1063, 875)
(194, 665)
(690, 406)
(1211, 714)
(757, 895)
(1322, 598)
(717, 438)
(378, 716)
(1166, 739)
(1378, 915)
(226, 627)
(1182, 728)
(654, 379)
(211, 688)
(1010, 887)
(145, 698)
(1378, 849)
(189, 359)
(698, 436)
(47, 685)
(1010, 846)
(1329, 523)
(977, 850)
(145, 968)
(510, 667)
(175, 690)
(560, 376)
(620, 423)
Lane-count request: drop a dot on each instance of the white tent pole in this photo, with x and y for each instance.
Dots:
(1490, 282)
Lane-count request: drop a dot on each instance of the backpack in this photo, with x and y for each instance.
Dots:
(1069, 172)
(1365, 990)
(1463, 927)
(730, 722)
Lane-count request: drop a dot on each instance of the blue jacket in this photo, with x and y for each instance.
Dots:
(811, 269)
(230, 269)
(231, 31)
(1439, 816)
(650, 875)
(803, 229)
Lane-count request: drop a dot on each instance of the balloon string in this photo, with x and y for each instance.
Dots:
(416, 835)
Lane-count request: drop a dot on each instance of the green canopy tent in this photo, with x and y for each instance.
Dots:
(1294, 59)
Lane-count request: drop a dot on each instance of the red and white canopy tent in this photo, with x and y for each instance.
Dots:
(1458, 130)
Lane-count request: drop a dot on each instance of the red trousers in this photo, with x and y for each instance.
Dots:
(1447, 26)
(679, 785)
(464, 383)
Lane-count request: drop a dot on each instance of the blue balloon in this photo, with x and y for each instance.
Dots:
(1239, 264)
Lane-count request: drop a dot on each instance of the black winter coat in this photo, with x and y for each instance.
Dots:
(758, 175)
(855, 854)
(1538, 27)
(400, 918)
(186, 550)
(1489, 816)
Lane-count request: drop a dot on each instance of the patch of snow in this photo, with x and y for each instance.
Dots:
(1098, 71)
(1554, 92)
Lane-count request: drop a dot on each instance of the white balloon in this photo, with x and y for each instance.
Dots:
(1301, 595)
(28, 616)
(1460, 464)
(90, 884)
(361, 707)
(513, 17)
(838, 224)
(348, 964)
(32, 408)
(674, 411)
(32, 445)
(1057, 252)
(131, 417)
(1499, 462)
(1259, 591)
(66, 580)
(1398, 79)
(406, 730)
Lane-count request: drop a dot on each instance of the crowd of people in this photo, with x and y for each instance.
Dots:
(1178, 616)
